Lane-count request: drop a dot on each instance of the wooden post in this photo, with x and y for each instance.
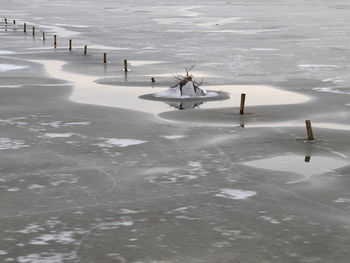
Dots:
(33, 31)
(44, 36)
(55, 41)
(125, 65)
(85, 50)
(153, 80)
(70, 44)
(310, 135)
(14, 22)
(5, 20)
(241, 110)
(105, 58)
(25, 27)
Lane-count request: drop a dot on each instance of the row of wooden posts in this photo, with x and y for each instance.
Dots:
(310, 136)
(70, 44)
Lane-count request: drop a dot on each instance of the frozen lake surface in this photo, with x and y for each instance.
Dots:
(93, 170)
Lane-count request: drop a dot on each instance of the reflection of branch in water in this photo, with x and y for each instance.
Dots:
(184, 105)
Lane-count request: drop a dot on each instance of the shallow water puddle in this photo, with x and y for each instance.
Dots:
(305, 166)
(87, 91)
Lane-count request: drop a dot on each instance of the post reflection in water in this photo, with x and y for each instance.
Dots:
(307, 159)
(184, 105)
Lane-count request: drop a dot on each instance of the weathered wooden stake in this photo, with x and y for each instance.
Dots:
(85, 50)
(33, 31)
(70, 44)
(55, 41)
(105, 58)
(25, 27)
(14, 22)
(125, 65)
(44, 36)
(5, 20)
(241, 110)
(310, 135)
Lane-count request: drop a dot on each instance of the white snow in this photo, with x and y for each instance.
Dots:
(58, 124)
(235, 194)
(116, 224)
(58, 135)
(31, 228)
(8, 67)
(10, 144)
(65, 237)
(6, 52)
(3, 252)
(137, 63)
(271, 219)
(47, 257)
(330, 90)
(187, 92)
(15, 189)
(35, 186)
(310, 66)
(342, 200)
(102, 47)
(111, 142)
(264, 49)
(173, 137)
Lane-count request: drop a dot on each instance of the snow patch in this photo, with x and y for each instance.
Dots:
(15, 189)
(173, 137)
(116, 224)
(188, 91)
(111, 142)
(9, 144)
(58, 135)
(47, 258)
(65, 237)
(35, 186)
(32, 228)
(8, 67)
(235, 194)
(6, 52)
(271, 219)
(263, 49)
(58, 124)
(3, 252)
(342, 200)
(313, 66)
(330, 90)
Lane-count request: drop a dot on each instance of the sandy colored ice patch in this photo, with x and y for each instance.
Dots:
(87, 91)
(235, 194)
(297, 164)
(301, 123)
